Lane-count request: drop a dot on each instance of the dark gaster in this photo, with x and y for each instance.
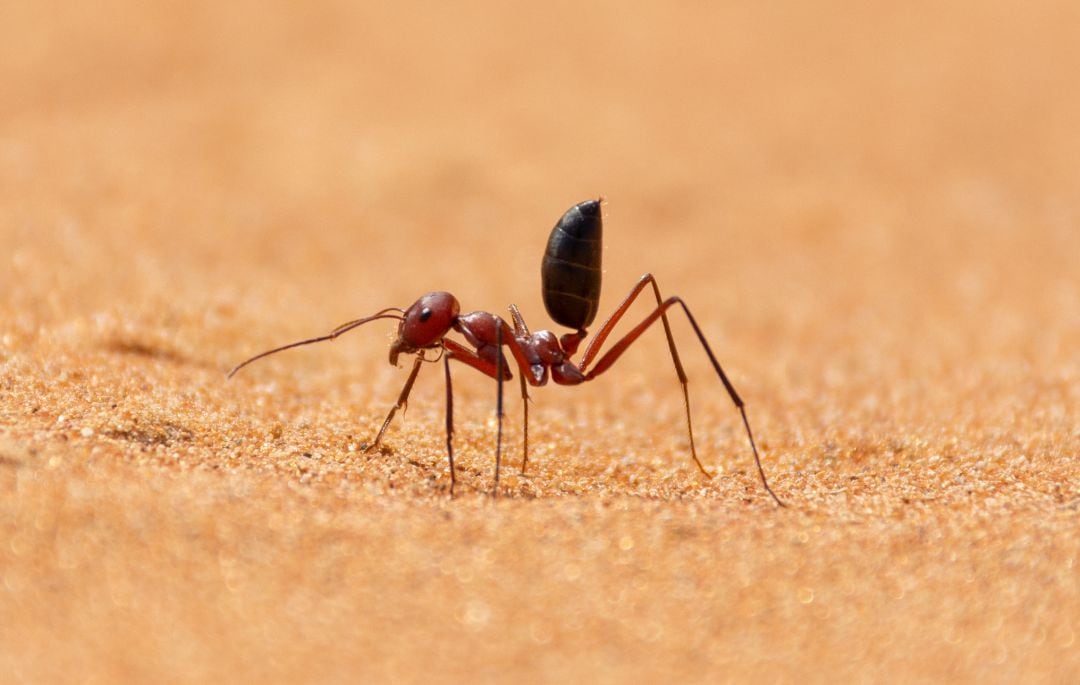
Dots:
(570, 273)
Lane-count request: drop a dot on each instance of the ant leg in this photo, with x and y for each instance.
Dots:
(525, 405)
(499, 361)
(402, 402)
(602, 334)
(609, 358)
(456, 350)
(605, 330)
(522, 330)
(449, 423)
(460, 353)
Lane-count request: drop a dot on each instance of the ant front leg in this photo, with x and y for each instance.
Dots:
(601, 335)
(449, 422)
(402, 401)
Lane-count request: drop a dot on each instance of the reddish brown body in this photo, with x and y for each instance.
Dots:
(571, 280)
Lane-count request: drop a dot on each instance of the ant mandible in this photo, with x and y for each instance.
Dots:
(570, 277)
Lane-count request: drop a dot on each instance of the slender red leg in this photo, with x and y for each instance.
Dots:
(521, 329)
(449, 423)
(605, 331)
(469, 357)
(459, 352)
(402, 401)
(499, 361)
(525, 423)
(609, 358)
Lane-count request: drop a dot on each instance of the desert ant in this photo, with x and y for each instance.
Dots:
(570, 276)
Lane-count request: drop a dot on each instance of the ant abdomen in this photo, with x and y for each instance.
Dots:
(570, 273)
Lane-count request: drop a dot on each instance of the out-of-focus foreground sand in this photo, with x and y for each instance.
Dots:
(874, 213)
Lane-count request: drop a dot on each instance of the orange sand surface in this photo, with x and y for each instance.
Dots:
(873, 212)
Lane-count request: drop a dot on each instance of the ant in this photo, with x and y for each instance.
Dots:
(570, 278)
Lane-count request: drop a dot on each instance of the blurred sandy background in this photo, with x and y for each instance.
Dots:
(874, 212)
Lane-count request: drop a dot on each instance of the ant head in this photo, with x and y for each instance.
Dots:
(425, 324)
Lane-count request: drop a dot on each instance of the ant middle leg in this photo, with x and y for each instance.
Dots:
(500, 363)
(497, 369)
(525, 423)
(522, 330)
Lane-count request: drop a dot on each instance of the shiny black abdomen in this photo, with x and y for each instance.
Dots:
(570, 272)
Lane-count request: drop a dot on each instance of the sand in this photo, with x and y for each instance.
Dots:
(872, 211)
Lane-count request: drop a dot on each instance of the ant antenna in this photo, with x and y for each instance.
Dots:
(343, 328)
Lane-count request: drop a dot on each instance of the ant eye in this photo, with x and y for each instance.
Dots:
(425, 314)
